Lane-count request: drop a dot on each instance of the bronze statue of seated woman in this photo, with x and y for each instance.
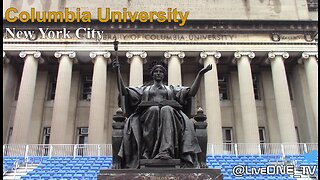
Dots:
(158, 127)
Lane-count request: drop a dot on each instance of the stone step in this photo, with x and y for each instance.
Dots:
(15, 173)
(23, 170)
(10, 177)
(29, 166)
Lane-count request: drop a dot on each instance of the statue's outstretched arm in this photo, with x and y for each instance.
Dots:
(196, 84)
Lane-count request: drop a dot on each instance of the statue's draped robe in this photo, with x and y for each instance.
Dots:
(158, 126)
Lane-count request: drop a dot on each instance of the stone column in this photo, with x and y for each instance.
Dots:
(212, 100)
(73, 102)
(174, 60)
(247, 101)
(270, 107)
(311, 67)
(282, 97)
(62, 96)
(6, 61)
(235, 94)
(23, 112)
(7, 96)
(98, 97)
(136, 60)
(38, 107)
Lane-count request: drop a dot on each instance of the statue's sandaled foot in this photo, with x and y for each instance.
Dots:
(116, 164)
(203, 165)
(144, 156)
(163, 156)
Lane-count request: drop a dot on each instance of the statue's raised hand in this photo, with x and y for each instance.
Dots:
(206, 69)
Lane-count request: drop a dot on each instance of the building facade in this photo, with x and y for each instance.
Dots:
(263, 87)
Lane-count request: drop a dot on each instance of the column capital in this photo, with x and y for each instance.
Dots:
(205, 54)
(306, 55)
(6, 60)
(142, 54)
(36, 55)
(105, 54)
(70, 54)
(239, 54)
(272, 55)
(168, 54)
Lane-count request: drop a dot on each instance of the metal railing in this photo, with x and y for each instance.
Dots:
(76, 150)
(17, 164)
(57, 150)
(262, 148)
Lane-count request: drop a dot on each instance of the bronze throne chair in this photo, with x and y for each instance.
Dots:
(200, 125)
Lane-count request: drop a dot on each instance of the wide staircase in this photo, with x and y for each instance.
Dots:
(88, 167)
(85, 162)
(16, 167)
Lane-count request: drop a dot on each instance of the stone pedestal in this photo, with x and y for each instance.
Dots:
(158, 163)
(160, 173)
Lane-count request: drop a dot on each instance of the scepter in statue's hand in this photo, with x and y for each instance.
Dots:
(115, 62)
(115, 44)
(121, 87)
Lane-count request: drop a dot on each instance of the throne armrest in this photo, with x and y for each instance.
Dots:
(190, 108)
(202, 136)
(117, 136)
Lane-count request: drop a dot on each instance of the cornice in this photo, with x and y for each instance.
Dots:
(225, 26)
